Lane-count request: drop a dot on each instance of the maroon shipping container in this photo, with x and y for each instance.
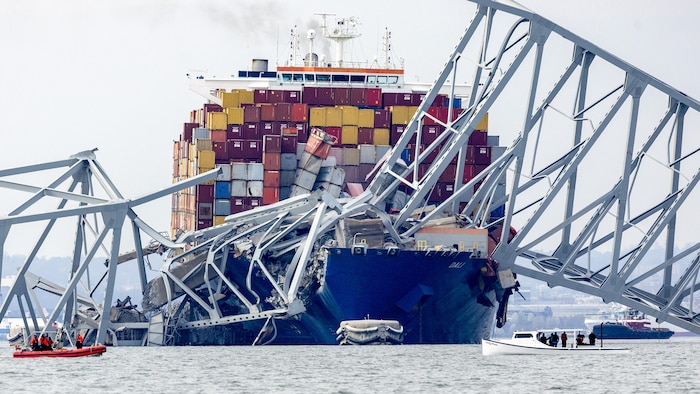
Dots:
(252, 131)
(203, 224)
(260, 96)
(187, 131)
(237, 205)
(275, 96)
(390, 99)
(252, 202)
(365, 135)
(280, 126)
(234, 132)
(357, 97)
(308, 95)
(472, 170)
(291, 96)
(341, 96)
(449, 175)
(382, 118)
(430, 133)
(252, 150)
(352, 174)
(235, 149)
(289, 144)
(480, 155)
(204, 193)
(267, 128)
(272, 161)
(478, 137)
(251, 114)
(324, 96)
(283, 112)
(364, 169)
(396, 133)
(267, 113)
(302, 132)
(272, 143)
(220, 151)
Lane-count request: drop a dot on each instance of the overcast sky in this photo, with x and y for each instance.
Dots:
(76, 75)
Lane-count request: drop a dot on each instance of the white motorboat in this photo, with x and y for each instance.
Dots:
(529, 342)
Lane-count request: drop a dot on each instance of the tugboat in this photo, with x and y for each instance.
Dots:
(625, 323)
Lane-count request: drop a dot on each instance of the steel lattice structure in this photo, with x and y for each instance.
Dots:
(601, 176)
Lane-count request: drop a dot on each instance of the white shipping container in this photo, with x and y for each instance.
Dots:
(381, 151)
(255, 172)
(337, 176)
(334, 190)
(368, 154)
(239, 171)
(301, 148)
(296, 190)
(330, 161)
(239, 188)
(222, 207)
(305, 179)
(201, 133)
(225, 172)
(310, 163)
(255, 188)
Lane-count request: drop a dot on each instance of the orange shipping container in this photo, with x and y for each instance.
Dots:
(271, 195)
(300, 112)
(271, 178)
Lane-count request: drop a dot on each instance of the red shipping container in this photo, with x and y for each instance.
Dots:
(267, 113)
(365, 135)
(271, 178)
(260, 96)
(272, 161)
(449, 175)
(235, 149)
(251, 131)
(272, 143)
(373, 97)
(218, 136)
(283, 112)
(300, 112)
(289, 144)
(234, 132)
(336, 132)
(382, 118)
(317, 147)
(251, 114)
(271, 195)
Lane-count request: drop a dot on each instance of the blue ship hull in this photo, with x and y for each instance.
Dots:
(612, 330)
(437, 298)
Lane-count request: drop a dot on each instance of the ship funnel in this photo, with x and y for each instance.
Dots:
(260, 65)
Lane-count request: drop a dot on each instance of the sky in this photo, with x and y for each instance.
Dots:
(78, 75)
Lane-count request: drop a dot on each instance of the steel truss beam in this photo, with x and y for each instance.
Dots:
(99, 216)
(601, 176)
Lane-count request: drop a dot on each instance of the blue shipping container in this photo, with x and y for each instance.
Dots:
(222, 189)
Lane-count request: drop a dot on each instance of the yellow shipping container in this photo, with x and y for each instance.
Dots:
(412, 111)
(381, 136)
(231, 99)
(201, 144)
(235, 115)
(217, 120)
(348, 135)
(219, 220)
(334, 116)
(351, 115)
(399, 115)
(365, 118)
(484, 123)
(184, 167)
(246, 96)
(317, 117)
(206, 160)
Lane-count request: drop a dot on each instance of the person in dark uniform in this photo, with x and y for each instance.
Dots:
(591, 338)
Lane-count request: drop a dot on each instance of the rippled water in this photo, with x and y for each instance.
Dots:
(653, 367)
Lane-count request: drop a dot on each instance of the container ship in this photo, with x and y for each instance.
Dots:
(271, 259)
